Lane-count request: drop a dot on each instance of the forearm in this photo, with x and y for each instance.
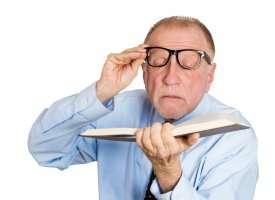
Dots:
(55, 134)
(104, 92)
(168, 175)
(230, 177)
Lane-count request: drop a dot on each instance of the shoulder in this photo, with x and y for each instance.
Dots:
(132, 94)
(129, 109)
(132, 99)
(216, 105)
(225, 146)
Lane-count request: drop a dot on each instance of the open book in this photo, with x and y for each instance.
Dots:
(207, 125)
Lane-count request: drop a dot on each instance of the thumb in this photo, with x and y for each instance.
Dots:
(187, 141)
(136, 64)
(193, 138)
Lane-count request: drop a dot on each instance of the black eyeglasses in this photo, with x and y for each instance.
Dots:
(186, 58)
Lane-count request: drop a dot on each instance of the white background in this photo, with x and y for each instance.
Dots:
(55, 48)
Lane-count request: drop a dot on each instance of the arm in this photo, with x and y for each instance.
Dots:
(228, 172)
(54, 139)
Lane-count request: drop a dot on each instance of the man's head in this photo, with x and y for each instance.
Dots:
(173, 90)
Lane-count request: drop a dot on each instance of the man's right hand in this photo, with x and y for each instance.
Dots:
(119, 71)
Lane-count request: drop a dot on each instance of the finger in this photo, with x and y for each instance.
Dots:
(140, 47)
(139, 134)
(129, 57)
(187, 140)
(167, 137)
(146, 141)
(193, 138)
(182, 142)
(166, 132)
(115, 60)
(137, 63)
(156, 137)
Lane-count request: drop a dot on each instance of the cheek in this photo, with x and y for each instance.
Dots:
(152, 82)
(193, 86)
(198, 81)
(198, 86)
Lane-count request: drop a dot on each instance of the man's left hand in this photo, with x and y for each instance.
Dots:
(163, 150)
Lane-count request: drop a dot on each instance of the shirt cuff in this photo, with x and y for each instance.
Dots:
(182, 190)
(89, 106)
(156, 191)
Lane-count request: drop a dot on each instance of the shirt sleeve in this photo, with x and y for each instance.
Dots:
(229, 175)
(54, 139)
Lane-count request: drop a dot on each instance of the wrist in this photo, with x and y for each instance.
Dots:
(102, 92)
(167, 165)
(173, 169)
(168, 176)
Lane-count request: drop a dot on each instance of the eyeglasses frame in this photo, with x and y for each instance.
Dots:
(175, 52)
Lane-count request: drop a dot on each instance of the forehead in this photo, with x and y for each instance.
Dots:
(178, 38)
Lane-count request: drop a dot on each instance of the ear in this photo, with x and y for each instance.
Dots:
(143, 67)
(210, 76)
(145, 73)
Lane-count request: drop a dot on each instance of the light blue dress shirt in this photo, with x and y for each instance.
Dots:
(220, 167)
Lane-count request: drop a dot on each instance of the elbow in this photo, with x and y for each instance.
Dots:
(32, 145)
(42, 153)
(34, 140)
(42, 157)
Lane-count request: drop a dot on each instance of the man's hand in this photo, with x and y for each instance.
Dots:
(118, 71)
(163, 150)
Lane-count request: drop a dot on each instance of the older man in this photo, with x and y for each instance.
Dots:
(178, 69)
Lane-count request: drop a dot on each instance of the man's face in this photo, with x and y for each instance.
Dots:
(175, 91)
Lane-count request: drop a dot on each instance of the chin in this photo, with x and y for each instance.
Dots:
(172, 109)
(172, 113)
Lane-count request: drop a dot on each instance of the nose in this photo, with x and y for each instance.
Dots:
(172, 72)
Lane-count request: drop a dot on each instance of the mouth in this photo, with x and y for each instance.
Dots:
(172, 97)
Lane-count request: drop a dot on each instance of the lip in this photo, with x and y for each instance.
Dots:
(171, 97)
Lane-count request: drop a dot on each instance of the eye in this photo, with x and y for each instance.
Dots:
(157, 60)
(157, 57)
(189, 58)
